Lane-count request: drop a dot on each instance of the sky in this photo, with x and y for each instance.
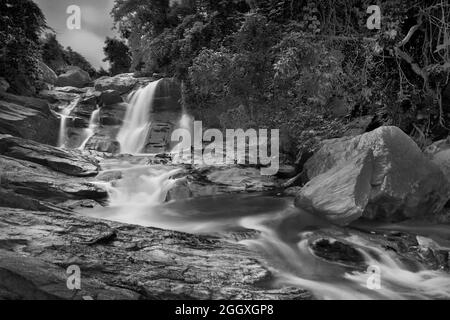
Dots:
(96, 24)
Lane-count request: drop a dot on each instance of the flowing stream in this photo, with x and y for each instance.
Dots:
(283, 235)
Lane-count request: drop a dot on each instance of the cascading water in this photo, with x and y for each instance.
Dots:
(137, 122)
(65, 113)
(90, 130)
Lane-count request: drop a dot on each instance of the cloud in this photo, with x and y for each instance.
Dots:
(96, 24)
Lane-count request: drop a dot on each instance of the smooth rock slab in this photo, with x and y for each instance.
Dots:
(135, 263)
(65, 161)
(39, 182)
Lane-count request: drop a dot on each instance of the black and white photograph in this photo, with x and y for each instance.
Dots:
(224, 155)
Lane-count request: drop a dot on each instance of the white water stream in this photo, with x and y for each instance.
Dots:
(137, 121)
(90, 130)
(65, 114)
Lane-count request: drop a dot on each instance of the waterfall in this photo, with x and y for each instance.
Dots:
(90, 130)
(65, 113)
(137, 122)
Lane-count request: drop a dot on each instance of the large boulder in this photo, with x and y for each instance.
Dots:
(340, 194)
(109, 97)
(121, 83)
(399, 182)
(74, 77)
(28, 118)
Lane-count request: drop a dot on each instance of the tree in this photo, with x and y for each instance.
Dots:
(21, 24)
(118, 55)
(53, 53)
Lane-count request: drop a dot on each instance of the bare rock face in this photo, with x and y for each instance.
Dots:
(29, 118)
(74, 77)
(403, 183)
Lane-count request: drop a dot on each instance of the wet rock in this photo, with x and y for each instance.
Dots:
(180, 191)
(336, 251)
(404, 183)
(122, 83)
(54, 96)
(104, 140)
(243, 179)
(66, 161)
(29, 118)
(137, 263)
(109, 97)
(74, 77)
(112, 115)
(108, 176)
(167, 96)
(83, 110)
(70, 89)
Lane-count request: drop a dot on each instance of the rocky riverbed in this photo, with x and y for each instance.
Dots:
(142, 227)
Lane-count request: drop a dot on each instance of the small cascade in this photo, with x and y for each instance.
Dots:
(90, 130)
(137, 121)
(65, 114)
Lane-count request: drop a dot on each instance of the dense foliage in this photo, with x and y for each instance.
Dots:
(58, 58)
(19, 42)
(297, 64)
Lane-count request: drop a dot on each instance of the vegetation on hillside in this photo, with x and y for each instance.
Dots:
(288, 64)
(19, 42)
